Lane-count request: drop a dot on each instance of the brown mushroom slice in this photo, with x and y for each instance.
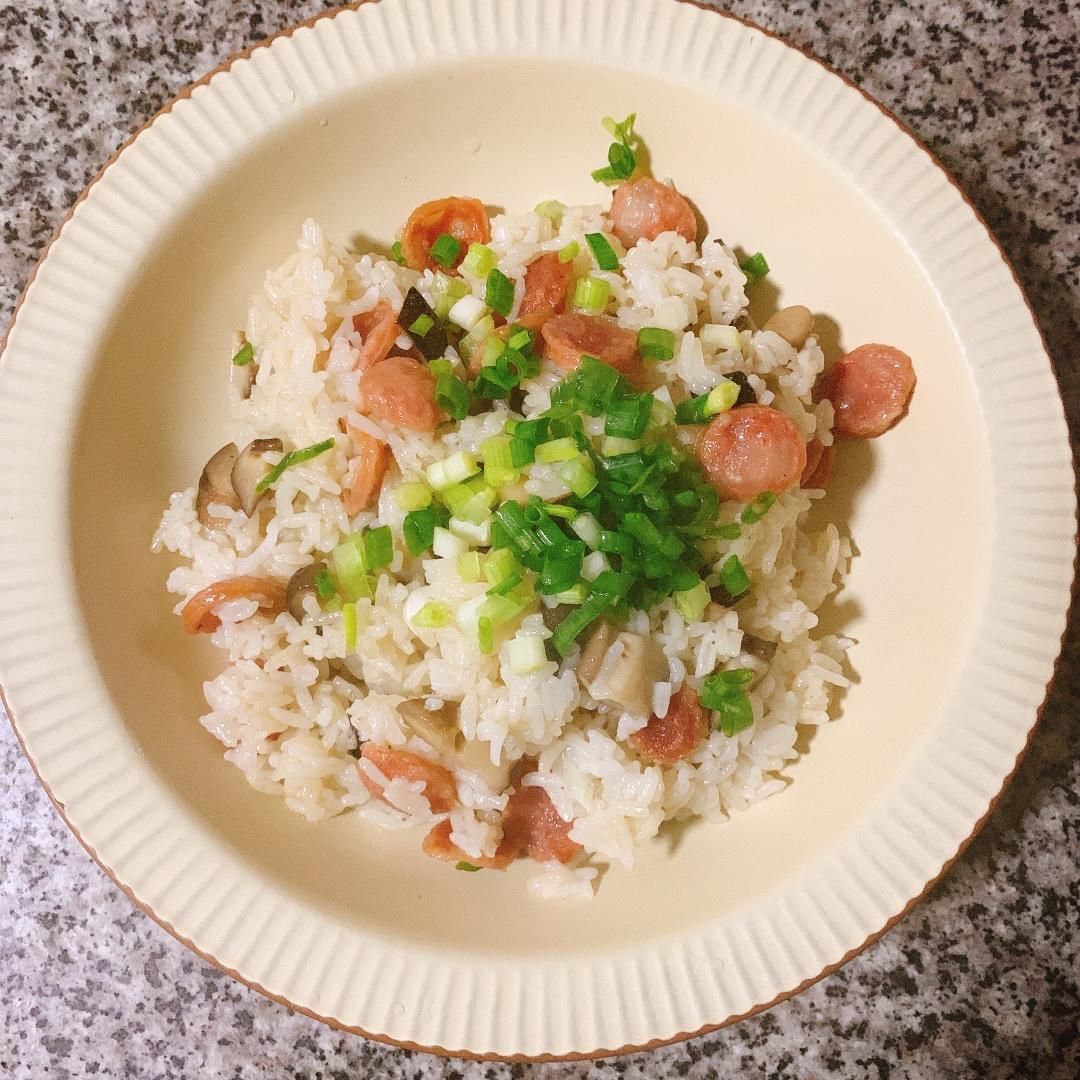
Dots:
(215, 487)
(759, 647)
(592, 656)
(250, 469)
(302, 584)
(437, 727)
(631, 667)
(476, 757)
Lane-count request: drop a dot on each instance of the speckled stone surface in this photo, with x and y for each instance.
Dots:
(981, 979)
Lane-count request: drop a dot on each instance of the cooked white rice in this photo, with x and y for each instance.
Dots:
(291, 707)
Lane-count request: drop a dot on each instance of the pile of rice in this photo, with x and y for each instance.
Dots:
(291, 707)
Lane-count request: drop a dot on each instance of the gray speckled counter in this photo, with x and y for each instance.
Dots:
(981, 979)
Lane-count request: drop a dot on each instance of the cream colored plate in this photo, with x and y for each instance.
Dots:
(111, 394)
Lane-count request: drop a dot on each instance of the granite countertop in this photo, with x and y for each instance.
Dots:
(981, 979)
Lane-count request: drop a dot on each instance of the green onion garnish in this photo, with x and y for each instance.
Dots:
(421, 325)
(755, 267)
(733, 576)
(412, 496)
(621, 158)
(557, 450)
(293, 457)
(570, 252)
(655, 343)
(552, 209)
(378, 547)
(324, 584)
(602, 251)
(445, 250)
(479, 261)
(724, 694)
(628, 417)
(433, 616)
(349, 625)
(691, 603)
(351, 568)
(591, 294)
(452, 396)
(499, 292)
(755, 510)
(397, 253)
(245, 354)
(467, 867)
(418, 530)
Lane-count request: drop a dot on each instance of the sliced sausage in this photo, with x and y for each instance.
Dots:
(198, 612)
(533, 321)
(819, 461)
(676, 735)
(366, 471)
(439, 787)
(464, 219)
(546, 282)
(752, 449)
(532, 826)
(869, 389)
(568, 337)
(378, 330)
(642, 209)
(438, 845)
(401, 390)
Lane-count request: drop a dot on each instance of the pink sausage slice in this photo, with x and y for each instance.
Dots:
(869, 388)
(818, 469)
(752, 449)
(569, 337)
(402, 391)
(643, 209)
(676, 735)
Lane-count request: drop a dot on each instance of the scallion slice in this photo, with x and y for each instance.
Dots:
(602, 251)
(350, 624)
(378, 547)
(452, 396)
(293, 457)
(591, 294)
(526, 655)
(755, 267)
(570, 252)
(244, 355)
(397, 253)
(445, 250)
(757, 508)
(655, 343)
(433, 616)
(479, 261)
(324, 584)
(412, 496)
(557, 450)
(451, 470)
(421, 325)
(552, 209)
(499, 292)
(733, 576)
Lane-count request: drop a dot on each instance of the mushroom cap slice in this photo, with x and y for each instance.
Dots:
(301, 584)
(631, 667)
(249, 469)
(215, 487)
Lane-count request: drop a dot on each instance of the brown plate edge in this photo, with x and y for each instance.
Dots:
(682, 1036)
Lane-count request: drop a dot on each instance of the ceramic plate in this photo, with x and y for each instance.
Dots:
(112, 390)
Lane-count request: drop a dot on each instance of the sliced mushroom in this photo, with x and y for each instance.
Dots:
(631, 667)
(215, 486)
(476, 757)
(437, 727)
(592, 656)
(250, 469)
(794, 324)
(759, 647)
(744, 321)
(302, 584)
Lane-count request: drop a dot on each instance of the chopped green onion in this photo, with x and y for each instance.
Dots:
(324, 584)
(451, 470)
(467, 867)
(576, 594)
(448, 291)
(445, 545)
(628, 417)
(602, 251)
(557, 450)
(520, 338)
(378, 547)
(334, 604)
(724, 694)
(470, 566)
(526, 655)
(471, 500)
(733, 576)
(613, 584)
(691, 603)
(433, 616)
(755, 510)
(293, 457)
(621, 159)
(479, 261)
(245, 354)
(566, 633)
(562, 567)
(452, 396)
(419, 530)
(485, 634)
(503, 609)
(615, 543)
(412, 496)
(655, 343)
(552, 209)
(578, 476)
(445, 250)
(467, 312)
(557, 510)
(499, 292)
(397, 253)
(351, 567)
(591, 294)
(500, 454)
(475, 532)
(349, 624)
(755, 267)
(588, 528)
(570, 252)
(614, 445)
(499, 565)
(594, 384)
(720, 337)
(721, 398)
(737, 677)
(641, 529)
(736, 714)
(421, 325)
